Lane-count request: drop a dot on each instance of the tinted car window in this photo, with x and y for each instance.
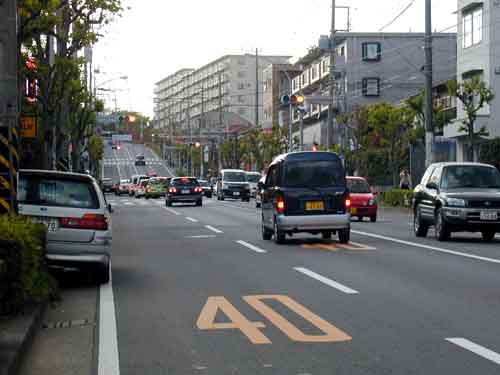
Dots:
(314, 173)
(235, 177)
(358, 186)
(203, 183)
(48, 191)
(253, 177)
(191, 182)
(468, 176)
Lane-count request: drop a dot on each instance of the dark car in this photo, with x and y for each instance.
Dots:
(458, 197)
(140, 160)
(184, 190)
(258, 193)
(107, 185)
(233, 183)
(306, 192)
(207, 188)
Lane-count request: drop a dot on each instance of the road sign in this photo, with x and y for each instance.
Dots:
(28, 127)
(107, 119)
(206, 154)
(121, 137)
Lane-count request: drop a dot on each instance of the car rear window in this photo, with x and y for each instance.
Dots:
(50, 191)
(185, 182)
(358, 186)
(314, 173)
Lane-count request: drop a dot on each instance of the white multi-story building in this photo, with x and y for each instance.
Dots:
(231, 85)
(478, 46)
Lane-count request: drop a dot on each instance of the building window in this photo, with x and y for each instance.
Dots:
(242, 111)
(472, 23)
(241, 99)
(372, 51)
(371, 86)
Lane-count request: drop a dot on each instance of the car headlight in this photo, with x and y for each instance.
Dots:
(455, 202)
(247, 187)
(224, 186)
(372, 202)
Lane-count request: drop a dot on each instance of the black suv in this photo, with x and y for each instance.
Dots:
(140, 160)
(458, 197)
(305, 192)
(184, 190)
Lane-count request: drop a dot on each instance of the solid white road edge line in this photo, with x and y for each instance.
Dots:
(215, 230)
(191, 219)
(252, 247)
(438, 249)
(172, 211)
(326, 280)
(476, 349)
(108, 360)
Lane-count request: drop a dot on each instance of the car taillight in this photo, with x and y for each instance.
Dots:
(348, 203)
(280, 204)
(87, 221)
(198, 190)
(172, 190)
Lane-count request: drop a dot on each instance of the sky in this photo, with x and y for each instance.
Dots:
(155, 38)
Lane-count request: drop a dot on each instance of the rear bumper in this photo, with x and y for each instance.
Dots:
(71, 254)
(364, 211)
(185, 198)
(245, 194)
(313, 222)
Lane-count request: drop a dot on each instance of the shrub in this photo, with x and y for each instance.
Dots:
(398, 198)
(26, 276)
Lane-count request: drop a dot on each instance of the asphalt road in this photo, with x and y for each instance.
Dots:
(197, 291)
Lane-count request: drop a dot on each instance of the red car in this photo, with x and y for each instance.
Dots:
(364, 202)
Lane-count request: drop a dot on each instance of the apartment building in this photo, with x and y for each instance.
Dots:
(478, 44)
(371, 68)
(231, 84)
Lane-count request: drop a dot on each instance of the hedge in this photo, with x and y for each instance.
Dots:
(25, 278)
(397, 198)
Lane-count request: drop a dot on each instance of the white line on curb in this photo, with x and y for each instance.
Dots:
(215, 230)
(172, 211)
(326, 281)
(252, 247)
(438, 249)
(108, 362)
(476, 349)
(191, 219)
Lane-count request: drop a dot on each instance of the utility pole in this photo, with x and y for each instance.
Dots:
(301, 113)
(256, 87)
(202, 120)
(429, 123)
(221, 122)
(329, 128)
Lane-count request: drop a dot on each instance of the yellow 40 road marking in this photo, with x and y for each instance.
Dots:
(206, 320)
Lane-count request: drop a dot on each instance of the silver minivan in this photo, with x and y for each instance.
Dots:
(76, 214)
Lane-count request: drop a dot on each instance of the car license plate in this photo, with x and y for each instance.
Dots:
(186, 191)
(236, 193)
(489, 216)
(354, 210)
(315, 206)
(52, 224)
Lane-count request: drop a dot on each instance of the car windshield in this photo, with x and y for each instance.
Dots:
(50, 191)
(470, 176)
(358, 186)
(188, 182)
(314, 173)
(235, 177)
(252, 177)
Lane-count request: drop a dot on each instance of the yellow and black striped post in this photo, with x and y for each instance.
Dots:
(9, 166)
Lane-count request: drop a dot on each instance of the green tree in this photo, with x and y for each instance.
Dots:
(490, 152)
(96, 153)
(474, 95)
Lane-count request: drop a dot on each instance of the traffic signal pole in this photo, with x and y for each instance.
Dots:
(429, 123)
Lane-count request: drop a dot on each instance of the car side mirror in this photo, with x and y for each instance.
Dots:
(110, 208)
(432, 185)
(261, 185)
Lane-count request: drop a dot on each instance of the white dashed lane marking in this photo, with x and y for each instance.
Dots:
(252, 247)
(326, 280)
(476, 349)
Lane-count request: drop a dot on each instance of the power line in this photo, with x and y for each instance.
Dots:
(399, 15)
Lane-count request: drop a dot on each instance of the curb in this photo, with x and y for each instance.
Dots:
(16, 337)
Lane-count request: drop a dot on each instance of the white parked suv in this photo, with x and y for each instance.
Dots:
(74, 209)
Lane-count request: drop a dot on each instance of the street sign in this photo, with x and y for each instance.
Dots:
(121, 137)
(107, 119)
(206, 154)
(28, 127)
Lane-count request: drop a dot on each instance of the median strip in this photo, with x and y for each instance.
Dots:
(438, 249)
(476, 349)
(326, 281)
(252, 247)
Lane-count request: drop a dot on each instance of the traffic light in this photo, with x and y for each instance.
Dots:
(131, 118)
(294, 100)
(197, 145)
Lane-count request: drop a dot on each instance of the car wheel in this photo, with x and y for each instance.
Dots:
(222, 197)
(257, 205)
(326, 235)
(442, 230)
(199, 203)
(279, 235)
(266, 233)
(344, 235)
(373, 219)
(102, 274)
(168, 203)
(147, 196)
(419, 226)
(360, 218)
(488, 235)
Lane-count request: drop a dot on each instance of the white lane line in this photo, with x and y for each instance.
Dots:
(326, 280)
(252, 247)
(202, 236)
(215, 230)
(109, 361)
(476, 349)
(128, 204)
(172, 211)
(191, 219)
(438, 249)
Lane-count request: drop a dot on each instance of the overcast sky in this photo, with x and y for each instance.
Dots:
(155, 38)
